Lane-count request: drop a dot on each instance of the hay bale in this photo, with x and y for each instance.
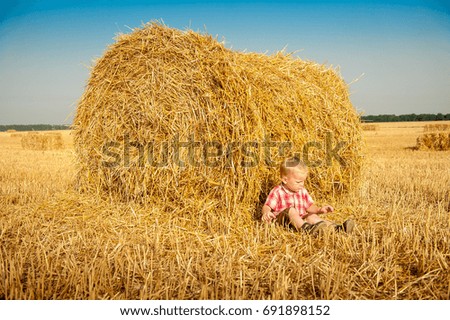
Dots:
(369, 127)
(48, 141)
(15, 135)
(205, 124)
(434, 127)
(437, 141)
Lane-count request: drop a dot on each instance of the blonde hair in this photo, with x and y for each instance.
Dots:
(290, 163)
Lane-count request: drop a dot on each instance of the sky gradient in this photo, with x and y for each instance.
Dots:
(394, 54)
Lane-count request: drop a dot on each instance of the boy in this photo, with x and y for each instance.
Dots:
(290, 202)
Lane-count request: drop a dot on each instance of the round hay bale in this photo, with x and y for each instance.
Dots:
(437, 141)
(174, 118)
(370, 127)
(36, 141)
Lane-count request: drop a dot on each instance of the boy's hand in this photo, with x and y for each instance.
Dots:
(326, 209)
(268, 216)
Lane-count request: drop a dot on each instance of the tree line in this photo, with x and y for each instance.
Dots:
(406, 117)
(34, 127)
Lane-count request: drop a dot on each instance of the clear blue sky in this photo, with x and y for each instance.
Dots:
(398, 50)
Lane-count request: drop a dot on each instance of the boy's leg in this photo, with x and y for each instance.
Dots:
(295, 219)
(314, 218)
(290, 216)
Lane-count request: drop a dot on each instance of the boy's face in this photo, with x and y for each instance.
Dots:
(295, 179)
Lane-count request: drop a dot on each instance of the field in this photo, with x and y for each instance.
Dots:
(57, 244)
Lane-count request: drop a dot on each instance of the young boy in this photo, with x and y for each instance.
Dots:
(290, 203)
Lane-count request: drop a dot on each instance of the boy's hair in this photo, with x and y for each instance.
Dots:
(289, 163)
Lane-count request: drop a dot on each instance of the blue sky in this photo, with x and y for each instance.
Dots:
(398, 51)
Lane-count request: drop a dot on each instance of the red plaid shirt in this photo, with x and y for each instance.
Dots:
(281, 198)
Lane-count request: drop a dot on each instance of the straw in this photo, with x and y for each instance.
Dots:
(158, 88)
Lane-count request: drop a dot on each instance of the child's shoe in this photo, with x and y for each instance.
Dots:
(306, 227)
(347, 226)
(313, 228)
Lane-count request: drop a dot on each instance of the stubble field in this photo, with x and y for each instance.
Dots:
(58, 244)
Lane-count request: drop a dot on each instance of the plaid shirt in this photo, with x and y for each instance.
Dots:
(281, 198)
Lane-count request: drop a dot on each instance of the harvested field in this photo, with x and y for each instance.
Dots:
(59, 244)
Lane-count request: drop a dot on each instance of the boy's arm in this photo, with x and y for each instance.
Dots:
(267, 213)
(313, 209)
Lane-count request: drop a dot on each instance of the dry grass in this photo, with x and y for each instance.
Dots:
(58, 244)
